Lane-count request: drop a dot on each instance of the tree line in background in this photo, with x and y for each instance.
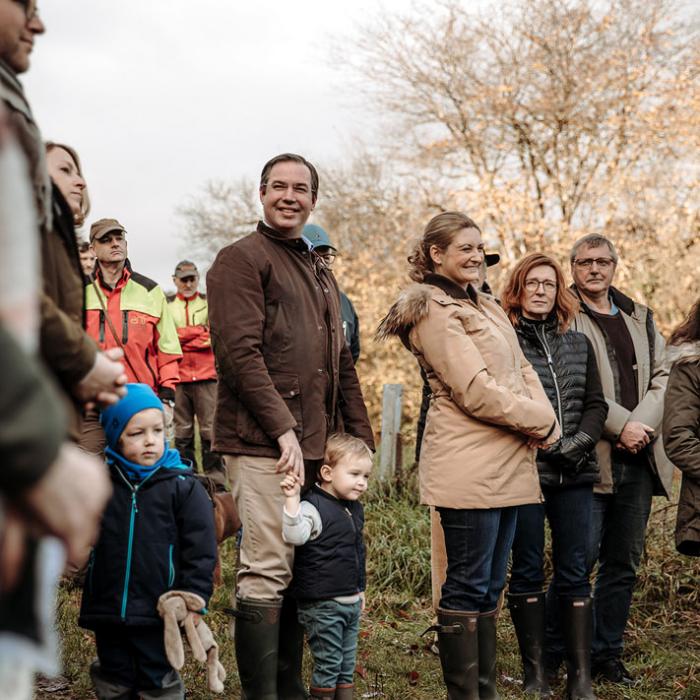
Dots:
(541, 119)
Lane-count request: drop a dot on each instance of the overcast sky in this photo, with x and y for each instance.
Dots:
(159, 96)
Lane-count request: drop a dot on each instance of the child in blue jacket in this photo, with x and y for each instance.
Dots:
(157, 535)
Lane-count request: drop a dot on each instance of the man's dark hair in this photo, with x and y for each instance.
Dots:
(83, 246)
(286, 158)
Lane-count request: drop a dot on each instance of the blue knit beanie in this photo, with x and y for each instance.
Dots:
(114, 418)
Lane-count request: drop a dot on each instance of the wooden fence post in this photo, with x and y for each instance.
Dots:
(390, 449)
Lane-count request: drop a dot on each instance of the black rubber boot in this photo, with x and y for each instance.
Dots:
(213, 466)
(487, 656)
(459, 653)
(290, 685)
(527, 613)
(185, 446)
(577, 624)
(256, 639)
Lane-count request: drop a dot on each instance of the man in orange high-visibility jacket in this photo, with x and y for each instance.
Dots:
(195, 396)
(137, 319)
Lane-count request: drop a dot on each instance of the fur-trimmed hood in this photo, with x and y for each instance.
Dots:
(413, 303)
(410, 308)
(685, 352)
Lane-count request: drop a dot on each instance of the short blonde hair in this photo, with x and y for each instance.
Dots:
(341, 445)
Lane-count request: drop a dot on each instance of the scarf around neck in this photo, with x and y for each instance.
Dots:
(138, 472)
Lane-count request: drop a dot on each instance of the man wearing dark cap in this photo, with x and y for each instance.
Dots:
(195, 395)
(320, 243)
(127, 310)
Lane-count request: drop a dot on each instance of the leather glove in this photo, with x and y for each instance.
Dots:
(569, 452)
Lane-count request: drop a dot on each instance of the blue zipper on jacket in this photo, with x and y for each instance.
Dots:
(171, 572)
(132, 519)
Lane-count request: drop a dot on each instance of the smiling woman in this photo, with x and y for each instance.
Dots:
(64, 168)
(487, 413)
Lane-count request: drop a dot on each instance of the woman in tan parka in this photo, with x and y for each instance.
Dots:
(487, 415)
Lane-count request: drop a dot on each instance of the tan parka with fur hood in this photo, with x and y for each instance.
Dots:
(486, 403)
(682, 439)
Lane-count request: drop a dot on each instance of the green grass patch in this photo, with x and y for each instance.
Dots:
(395, 662)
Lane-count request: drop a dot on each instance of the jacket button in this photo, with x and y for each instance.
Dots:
(320, 371)
(320, 328)
(292, 392)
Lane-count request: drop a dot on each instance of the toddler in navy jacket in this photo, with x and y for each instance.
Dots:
(157, 534)
(329, 563)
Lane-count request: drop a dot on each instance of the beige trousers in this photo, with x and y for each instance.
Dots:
(266, 561)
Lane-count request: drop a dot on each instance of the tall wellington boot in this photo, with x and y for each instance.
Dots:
(487, 656)
(185, 446)
(213, 465)
(459, 652)
(290, 685)
(256, 639)
(577, 624)
(344, 691)
(527, 613)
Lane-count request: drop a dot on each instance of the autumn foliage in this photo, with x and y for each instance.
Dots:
(543, 120)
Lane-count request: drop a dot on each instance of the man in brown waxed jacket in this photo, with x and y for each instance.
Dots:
(286, 381)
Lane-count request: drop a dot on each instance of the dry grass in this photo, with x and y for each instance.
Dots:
(663, 644)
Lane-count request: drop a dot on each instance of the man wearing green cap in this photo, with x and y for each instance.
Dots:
(320, 243)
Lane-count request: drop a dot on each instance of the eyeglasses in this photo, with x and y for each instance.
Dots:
(602, 263)
(30, 8)
(534, 285)
(188, 279)
(328, 258)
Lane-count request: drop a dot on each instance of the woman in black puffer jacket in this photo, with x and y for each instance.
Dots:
(541, 309)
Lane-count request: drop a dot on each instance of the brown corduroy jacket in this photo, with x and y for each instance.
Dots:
(281, 357)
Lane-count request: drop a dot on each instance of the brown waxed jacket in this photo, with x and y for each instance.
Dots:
(65, 347)
(282, 360)
(486, 402)
(682, 439)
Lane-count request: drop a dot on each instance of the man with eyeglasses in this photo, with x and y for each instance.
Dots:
(321, 244)
(633, 466)
(195, 395)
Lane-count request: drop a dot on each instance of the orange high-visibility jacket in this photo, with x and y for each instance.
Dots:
(191, 316)
(139, 313)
